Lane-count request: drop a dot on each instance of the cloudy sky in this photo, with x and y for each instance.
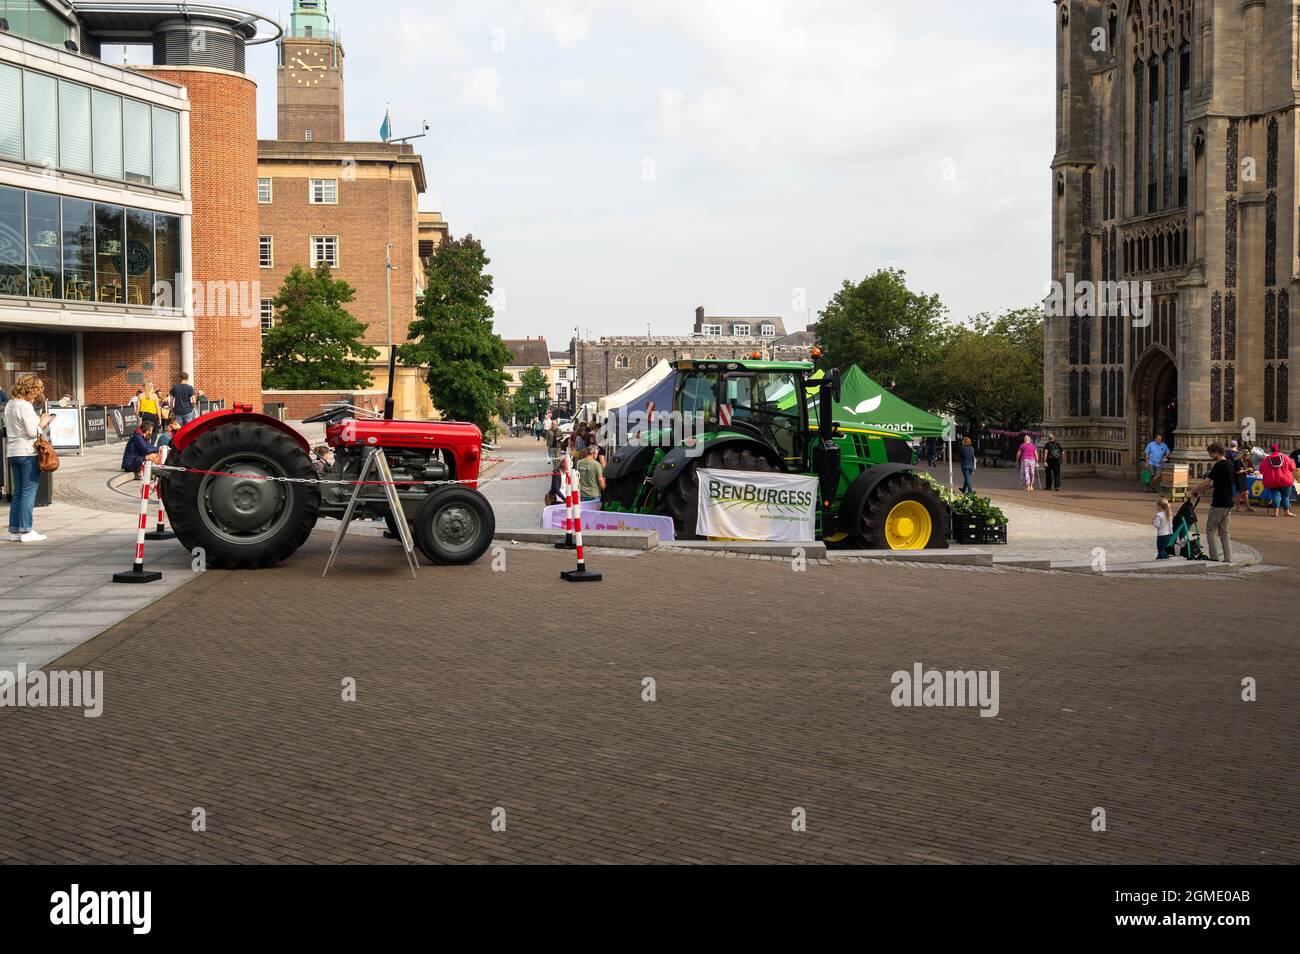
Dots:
(626, 160)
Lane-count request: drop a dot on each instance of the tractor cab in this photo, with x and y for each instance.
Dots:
(763, 398)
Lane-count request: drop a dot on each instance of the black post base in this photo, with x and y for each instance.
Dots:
(137, 576)
(567, 543)
(580, 576)
(160, 535)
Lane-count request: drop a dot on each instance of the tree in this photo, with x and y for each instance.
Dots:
(526, 404)
(990, 369)
(889, 331)
(315, 343)
(452, 334)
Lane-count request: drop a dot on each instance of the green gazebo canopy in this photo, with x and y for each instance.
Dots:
(866, 406)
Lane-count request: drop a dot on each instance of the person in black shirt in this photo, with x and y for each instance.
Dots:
(1224, 482)
(1053, 455)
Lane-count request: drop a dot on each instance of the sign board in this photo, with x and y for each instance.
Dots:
(757, 505)
(65, 427)
(125, 420)
(594, 518)
(94, 425)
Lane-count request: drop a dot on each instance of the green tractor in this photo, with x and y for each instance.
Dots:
(754, 415)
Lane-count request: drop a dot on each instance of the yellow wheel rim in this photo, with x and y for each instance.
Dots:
(908, 526)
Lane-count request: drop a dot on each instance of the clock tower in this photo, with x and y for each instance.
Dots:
(310, 77)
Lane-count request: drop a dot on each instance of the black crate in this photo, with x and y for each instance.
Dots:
(993, 535)
(965, 530)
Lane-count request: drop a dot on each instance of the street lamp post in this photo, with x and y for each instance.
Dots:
(392, 352)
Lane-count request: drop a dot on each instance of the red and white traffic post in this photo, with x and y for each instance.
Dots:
(137, 573)
(160, 531)
(581, 574)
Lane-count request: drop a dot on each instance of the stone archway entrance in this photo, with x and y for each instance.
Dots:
(1154, 400)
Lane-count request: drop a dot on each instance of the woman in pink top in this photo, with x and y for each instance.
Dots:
(1027, 456)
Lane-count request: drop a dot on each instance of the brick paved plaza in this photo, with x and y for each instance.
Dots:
(479, 690)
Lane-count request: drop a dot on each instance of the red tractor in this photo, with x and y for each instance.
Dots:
(246, 521)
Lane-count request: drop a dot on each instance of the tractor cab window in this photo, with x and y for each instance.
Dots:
(697, 395)
(763, 399)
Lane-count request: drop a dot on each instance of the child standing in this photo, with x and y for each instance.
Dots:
(1164, 524)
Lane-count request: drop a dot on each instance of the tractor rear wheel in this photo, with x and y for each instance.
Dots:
(247, 521)
(622, 490)
(683, 494)
(904, 512)
(454, 525)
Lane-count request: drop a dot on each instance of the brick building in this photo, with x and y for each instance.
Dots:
(1175, 171)
(122, 191)
(324, 199)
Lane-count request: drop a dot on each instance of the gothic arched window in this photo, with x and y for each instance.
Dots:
(620, 361)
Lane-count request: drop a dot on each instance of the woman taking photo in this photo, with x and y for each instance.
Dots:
(22, 426)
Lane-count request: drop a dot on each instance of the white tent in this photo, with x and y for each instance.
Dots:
(630, 392)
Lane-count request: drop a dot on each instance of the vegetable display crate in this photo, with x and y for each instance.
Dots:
(993, 535)
(966, 531)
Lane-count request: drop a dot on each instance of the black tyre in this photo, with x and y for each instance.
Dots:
(243, 522)
(904, 512)
(454, 525)
(681, 499)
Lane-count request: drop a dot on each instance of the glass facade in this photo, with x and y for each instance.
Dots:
(33, 20)
(74, 250)
(68, 126)
(44, 260)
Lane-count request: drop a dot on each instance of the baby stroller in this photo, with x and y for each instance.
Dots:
(1186, 541)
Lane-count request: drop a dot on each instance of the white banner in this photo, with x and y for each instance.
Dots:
(756, 505)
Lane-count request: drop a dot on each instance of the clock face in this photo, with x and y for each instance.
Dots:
(306, 66)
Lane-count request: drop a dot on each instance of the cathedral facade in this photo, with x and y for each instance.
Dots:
(1174, 229)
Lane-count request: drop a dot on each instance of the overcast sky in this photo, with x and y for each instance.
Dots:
(623, 161)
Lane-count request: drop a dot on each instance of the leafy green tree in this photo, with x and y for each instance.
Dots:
(526, 404)
(315, 343)
(452, 334)
(888, 330)
(990, 369)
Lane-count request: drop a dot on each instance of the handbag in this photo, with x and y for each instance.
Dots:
(47, 458)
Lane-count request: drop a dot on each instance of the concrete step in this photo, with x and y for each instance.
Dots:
(948, 557)
(811, 551)
(617, 539)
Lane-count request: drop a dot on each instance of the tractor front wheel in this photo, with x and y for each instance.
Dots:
(454, 525)
(904, 512)
(249, 519)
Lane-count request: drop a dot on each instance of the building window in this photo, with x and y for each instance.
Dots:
(265, 251)
(620, 361)
(264, 190)
(307, 135)
(767, 331)
(324, 191)
(268, 314)
(137, 142)
(325, 248)
(74, 126)
(651, 361)
(712, 331)
(106, 133)
(40, 110)
(77, 250)
(11, 121)
(740, 330)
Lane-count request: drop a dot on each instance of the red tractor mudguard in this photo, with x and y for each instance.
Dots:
(237, 414)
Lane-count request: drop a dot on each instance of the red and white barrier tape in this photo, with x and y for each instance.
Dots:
(344, 483)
